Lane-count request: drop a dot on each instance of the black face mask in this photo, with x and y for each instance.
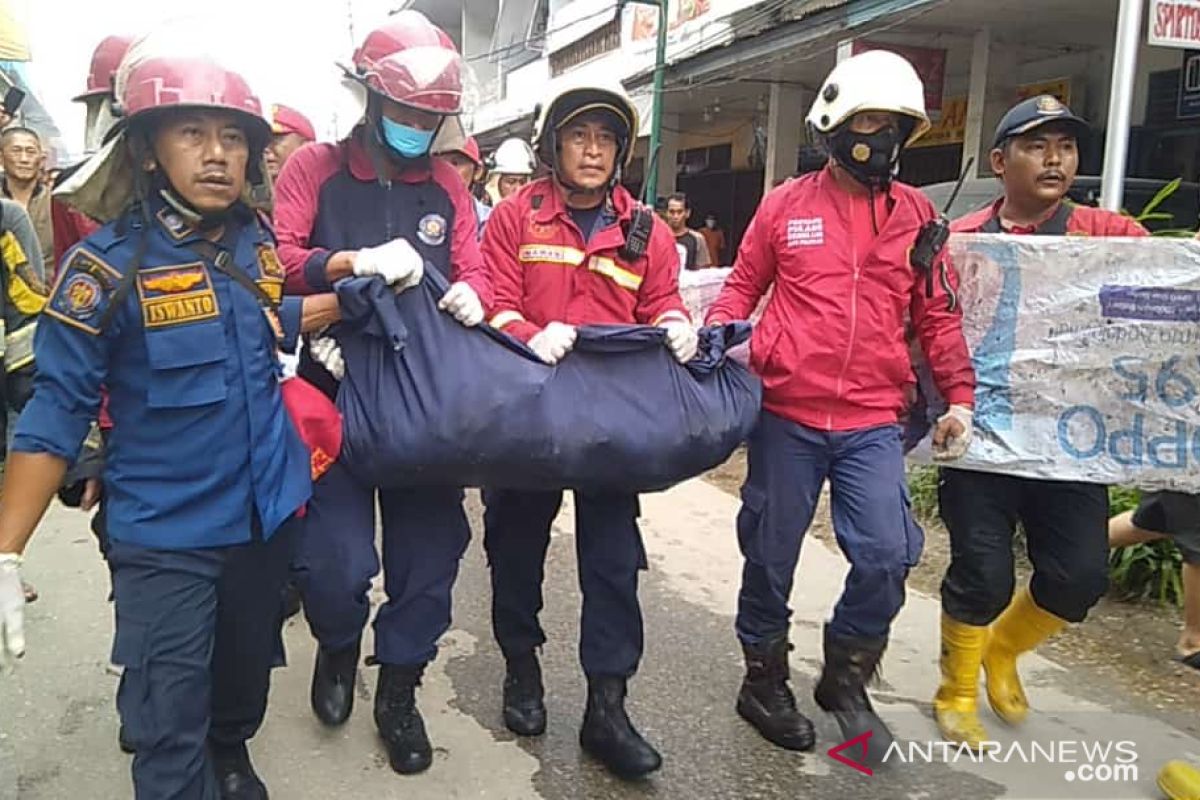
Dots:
(869, 157)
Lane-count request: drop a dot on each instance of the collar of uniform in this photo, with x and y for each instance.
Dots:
(359, 161)
(552, 204)
(1022, 229)
(829, 183)
(172, 224)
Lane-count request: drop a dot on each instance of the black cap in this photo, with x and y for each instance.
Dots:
(1035, 112)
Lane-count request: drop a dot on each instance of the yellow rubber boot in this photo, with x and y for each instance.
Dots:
(954, 705)
(1179, 780)
(1022, 627)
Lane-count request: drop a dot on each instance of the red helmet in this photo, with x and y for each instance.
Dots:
(413, 62)
(149, 81)
(285, 119)
(105, 61)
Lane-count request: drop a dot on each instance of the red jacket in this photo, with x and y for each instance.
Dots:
(542, 271)
(328, 198)
(830, 346)
(1082, 221)
(70, 228)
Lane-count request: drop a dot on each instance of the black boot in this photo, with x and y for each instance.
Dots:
(399, 722)
(524, 711)
(333, 684)
(291, 600)
(609, 736)
(849, 663)
(236, 778)
(765, 700)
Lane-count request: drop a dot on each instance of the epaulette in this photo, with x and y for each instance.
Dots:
(108, 237)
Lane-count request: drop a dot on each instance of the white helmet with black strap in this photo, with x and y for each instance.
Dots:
(880, 81)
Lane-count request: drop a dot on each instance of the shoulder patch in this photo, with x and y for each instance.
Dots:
(83, 290)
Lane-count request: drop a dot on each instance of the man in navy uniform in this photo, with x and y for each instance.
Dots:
(174, 306)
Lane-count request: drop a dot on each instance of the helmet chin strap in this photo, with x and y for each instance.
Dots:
(193, 216)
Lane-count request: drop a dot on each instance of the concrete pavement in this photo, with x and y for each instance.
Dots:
(58, 723)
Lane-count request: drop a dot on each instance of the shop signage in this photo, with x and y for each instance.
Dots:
(1174, 23)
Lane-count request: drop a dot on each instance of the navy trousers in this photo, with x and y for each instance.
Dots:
(871, 520)
(425, 533)
(197, 632)
(609, 549)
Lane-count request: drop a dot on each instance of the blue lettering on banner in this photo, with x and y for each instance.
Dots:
(993, 356)
(1084, 433)
(1150, 303)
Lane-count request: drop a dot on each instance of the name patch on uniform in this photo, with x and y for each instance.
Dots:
(806, 232)
(83, 291)
(552, 253)
(176, 294)
(432, 229)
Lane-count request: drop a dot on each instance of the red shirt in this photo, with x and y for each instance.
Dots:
(544, 271)
(1083, 221)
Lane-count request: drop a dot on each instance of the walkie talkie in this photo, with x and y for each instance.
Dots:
(932, 238)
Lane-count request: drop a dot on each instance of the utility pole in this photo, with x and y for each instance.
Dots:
(1116, 146)
(650, 182)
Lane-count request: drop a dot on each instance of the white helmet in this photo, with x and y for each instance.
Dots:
(513, 157)
(877, 80)
(573, 100)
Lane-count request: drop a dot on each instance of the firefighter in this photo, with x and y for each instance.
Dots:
(510, 167)
(290, 130)
(562, 254)
(469, 166)
(168, 307)
(1035, 155)
(835, 366)
(378, 204)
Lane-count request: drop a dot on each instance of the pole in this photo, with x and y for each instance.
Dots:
(1116, 147)
(650, 191)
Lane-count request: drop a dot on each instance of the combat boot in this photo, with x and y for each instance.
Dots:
(608, 735)
(766, 702)
(955, 704)
(524, 709)
(333, 684)
(850, 662)
(399, 722)
(236, 778)
(1023, 626)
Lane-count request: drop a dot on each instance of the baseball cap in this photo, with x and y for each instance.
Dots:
(1035, 112)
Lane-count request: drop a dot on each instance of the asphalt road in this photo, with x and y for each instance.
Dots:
(58, 723)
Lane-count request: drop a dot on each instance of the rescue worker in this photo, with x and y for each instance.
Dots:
(835, 367)
(560, 255)
(290, 130)
(1035, 155)
(469, 166)
(166, 305)
(378, 204)
(24, 295)
(510, 167)
(99, 99)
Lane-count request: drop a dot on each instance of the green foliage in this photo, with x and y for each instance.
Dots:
(1147, 572)
(1122, 499)
(922, 492)
(1150, 213)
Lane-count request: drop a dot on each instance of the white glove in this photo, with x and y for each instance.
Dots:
(12, 608)
(462, 302)
(948, 446)
(395, 261)
(553, 342)
(326, 352)
(682, 339)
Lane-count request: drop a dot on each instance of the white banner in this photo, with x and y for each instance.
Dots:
(1174, 23)
(1087, 356)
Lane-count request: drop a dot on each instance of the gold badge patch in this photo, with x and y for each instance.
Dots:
(176, 294)
(268, 262)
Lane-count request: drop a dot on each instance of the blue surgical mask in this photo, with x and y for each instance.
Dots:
(405, 140)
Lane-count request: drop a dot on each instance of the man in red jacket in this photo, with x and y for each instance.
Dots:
(573, 249)
(835, 367)
(377, 204)
(1036, 155)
